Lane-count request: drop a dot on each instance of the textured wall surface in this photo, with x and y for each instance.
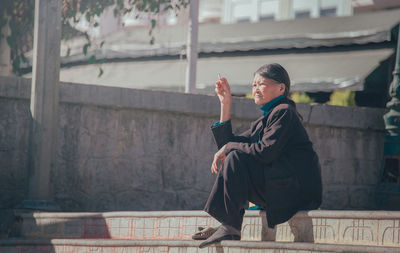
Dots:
(14, 131)
(124, 149)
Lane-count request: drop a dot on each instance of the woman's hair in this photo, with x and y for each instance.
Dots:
(277, 73)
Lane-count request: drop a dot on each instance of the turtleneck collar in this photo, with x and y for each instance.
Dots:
(267, 107)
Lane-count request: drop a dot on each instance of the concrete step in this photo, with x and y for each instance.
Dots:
(374, 228)
(29, 245)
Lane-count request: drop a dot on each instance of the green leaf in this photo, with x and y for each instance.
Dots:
(166, 8)
(153, 23)
(87, 16)
(96, 24)
(3, 22)
(13, 25)
(16, 63)
(85, 48)
(73, 12)
(92, 59)
(23, 58)
(153, 6)
(128, 10)
(120, 4)
(100, 72)
(64, 36)
(10, 41)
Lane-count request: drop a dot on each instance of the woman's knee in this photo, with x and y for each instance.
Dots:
(237, 156)
(235, 161)
(231, 158)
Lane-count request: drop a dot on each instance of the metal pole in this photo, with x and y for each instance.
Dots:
(191, 49)
(392, 118)
(388, 191)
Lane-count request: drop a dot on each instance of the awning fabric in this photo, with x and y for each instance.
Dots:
(308, 71)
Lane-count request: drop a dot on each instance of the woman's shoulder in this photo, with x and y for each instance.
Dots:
(286, 110)
(286, 106)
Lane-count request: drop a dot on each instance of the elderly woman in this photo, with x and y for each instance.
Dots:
(272, 164)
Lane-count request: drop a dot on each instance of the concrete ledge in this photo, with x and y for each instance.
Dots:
(360, 214)
(375, 228)
(156, 246)
(352, 117)
(144, 214)
(15, 87)
(315, 114)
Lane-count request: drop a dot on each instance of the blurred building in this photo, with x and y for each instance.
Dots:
(324, 44)
(236, 11)
(239, 11)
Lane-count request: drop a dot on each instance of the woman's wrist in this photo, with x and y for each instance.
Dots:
(225, 112)
(227, 100)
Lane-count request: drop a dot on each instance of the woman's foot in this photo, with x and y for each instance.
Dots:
(204, 233)
(224, 232)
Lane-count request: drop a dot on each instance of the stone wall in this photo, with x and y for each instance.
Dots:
(125, 149)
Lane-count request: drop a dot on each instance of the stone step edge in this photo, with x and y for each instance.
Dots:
(343, 214)
(256, 230)
(299, 246)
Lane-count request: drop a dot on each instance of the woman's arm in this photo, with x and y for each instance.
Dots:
(223, 134)
(223, 90)
(223, 131)
(275, 138)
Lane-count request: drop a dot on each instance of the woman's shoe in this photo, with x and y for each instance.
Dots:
(223, 233)
(204, 233)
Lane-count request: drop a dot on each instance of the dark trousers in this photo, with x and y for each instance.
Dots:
(240, 180)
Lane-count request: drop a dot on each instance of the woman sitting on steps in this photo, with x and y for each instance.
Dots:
(272, 164)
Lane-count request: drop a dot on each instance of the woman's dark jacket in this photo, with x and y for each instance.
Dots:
(279, 142)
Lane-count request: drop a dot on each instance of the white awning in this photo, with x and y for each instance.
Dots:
(308, 72)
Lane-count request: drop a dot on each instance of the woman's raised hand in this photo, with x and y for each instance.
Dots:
(223, 91)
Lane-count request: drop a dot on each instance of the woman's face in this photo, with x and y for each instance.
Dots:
(265, 89)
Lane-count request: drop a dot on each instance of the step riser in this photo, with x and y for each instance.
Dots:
(110, 246)
(77, 249)
(171, 228)
(356, 231)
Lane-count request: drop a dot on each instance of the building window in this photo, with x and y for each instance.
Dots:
(327, 12)
(268, 10)
(302, 14)
(242, 20)
(267, 18)
(241, 11)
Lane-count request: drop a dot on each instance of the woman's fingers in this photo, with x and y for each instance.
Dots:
(224, 83)
(214, 170)
(214, 167)
(219, 159)
(221, 92)
(219, 89)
